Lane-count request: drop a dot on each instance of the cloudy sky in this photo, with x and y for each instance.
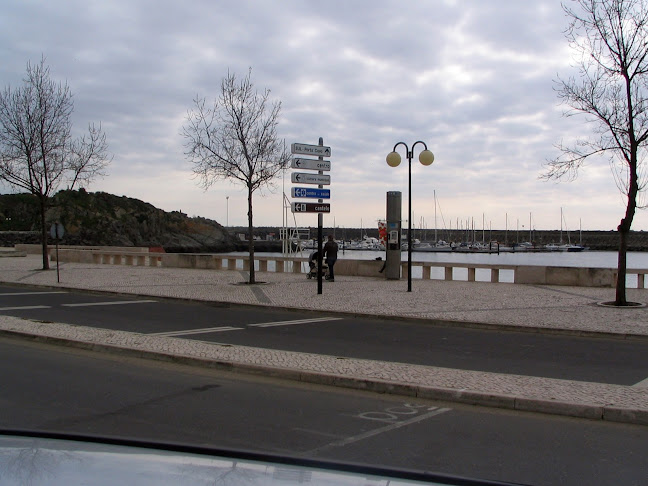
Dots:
(474, 79)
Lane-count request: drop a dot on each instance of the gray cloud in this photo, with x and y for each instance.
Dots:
(472, 79)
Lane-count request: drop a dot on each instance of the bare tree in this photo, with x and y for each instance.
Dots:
(236, 139)
(37, 151)
(611, 37)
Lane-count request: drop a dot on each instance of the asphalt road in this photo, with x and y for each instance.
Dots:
(599, 360)
(65, 390)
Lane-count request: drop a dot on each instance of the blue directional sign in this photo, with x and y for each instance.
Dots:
(311, 192)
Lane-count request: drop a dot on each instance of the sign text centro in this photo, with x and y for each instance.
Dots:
(313, 164)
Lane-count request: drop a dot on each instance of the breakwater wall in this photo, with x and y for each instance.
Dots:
(594, 240)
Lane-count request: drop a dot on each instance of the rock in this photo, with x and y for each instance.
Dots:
(102, 219)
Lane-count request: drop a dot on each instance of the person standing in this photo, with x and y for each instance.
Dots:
(330, 252)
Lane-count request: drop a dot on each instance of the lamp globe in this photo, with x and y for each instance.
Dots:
(426, 157)
(393, 159)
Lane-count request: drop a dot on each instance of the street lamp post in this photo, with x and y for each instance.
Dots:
(393, 160)
(227, 218)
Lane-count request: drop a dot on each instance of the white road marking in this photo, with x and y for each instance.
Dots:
(641, 384)
(297, 321)
(206, 330)
(195, 331)
(114, 302)
(26, 307)
(371, 433)
(31, 293)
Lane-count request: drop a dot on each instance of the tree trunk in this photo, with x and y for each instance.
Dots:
(43, 210)
(250, 237)
(626, 224)
(622, 267)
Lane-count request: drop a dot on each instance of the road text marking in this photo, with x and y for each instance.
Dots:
(387, 428)
(297, 321)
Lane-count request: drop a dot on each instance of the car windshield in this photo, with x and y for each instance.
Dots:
(57, 459)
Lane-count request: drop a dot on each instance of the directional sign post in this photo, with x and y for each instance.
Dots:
(304, 149)
(308, 178)
(313, 164)
(320, 165)
(312, 193)
(299, 207)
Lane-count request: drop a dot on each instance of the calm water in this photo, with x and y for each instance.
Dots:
(591, 259)
(596, 259)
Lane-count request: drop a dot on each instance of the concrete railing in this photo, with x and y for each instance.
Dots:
(35, 249)
(519, 274)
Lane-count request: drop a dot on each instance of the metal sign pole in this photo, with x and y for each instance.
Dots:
(56, 232)
(321, 180)
(320, 223)
(58, 275)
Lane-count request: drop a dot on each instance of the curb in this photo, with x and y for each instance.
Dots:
(467, 397)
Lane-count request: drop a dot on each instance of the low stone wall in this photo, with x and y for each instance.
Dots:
(360, 268)
(522, 274)
(573, 276)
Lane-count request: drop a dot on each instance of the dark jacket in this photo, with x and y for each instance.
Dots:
(330, 250)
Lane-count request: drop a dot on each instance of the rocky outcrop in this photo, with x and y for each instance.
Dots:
(102, 219)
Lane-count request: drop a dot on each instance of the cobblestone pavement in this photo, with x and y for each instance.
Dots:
(524, 307)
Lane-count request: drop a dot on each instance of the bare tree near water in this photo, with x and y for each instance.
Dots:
(236, 138)
(611, 91)
(38, 153)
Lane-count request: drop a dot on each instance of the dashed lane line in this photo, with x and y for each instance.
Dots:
(13, 294)
(114, 302)
(195, 331)
(297, 321)
(31, 307)
(25, 307)
(205, 330)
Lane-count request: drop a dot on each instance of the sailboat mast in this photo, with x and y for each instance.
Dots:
(483, 228)
(435, 219)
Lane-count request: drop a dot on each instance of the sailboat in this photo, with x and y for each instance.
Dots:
(438, 245)
(569, 246)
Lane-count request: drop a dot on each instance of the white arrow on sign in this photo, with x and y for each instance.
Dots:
(305, 149)
(308, 178)
(313, 164)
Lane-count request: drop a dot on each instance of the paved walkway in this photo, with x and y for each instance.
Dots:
(571, 310)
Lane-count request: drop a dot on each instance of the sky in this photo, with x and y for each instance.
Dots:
(473, 79)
